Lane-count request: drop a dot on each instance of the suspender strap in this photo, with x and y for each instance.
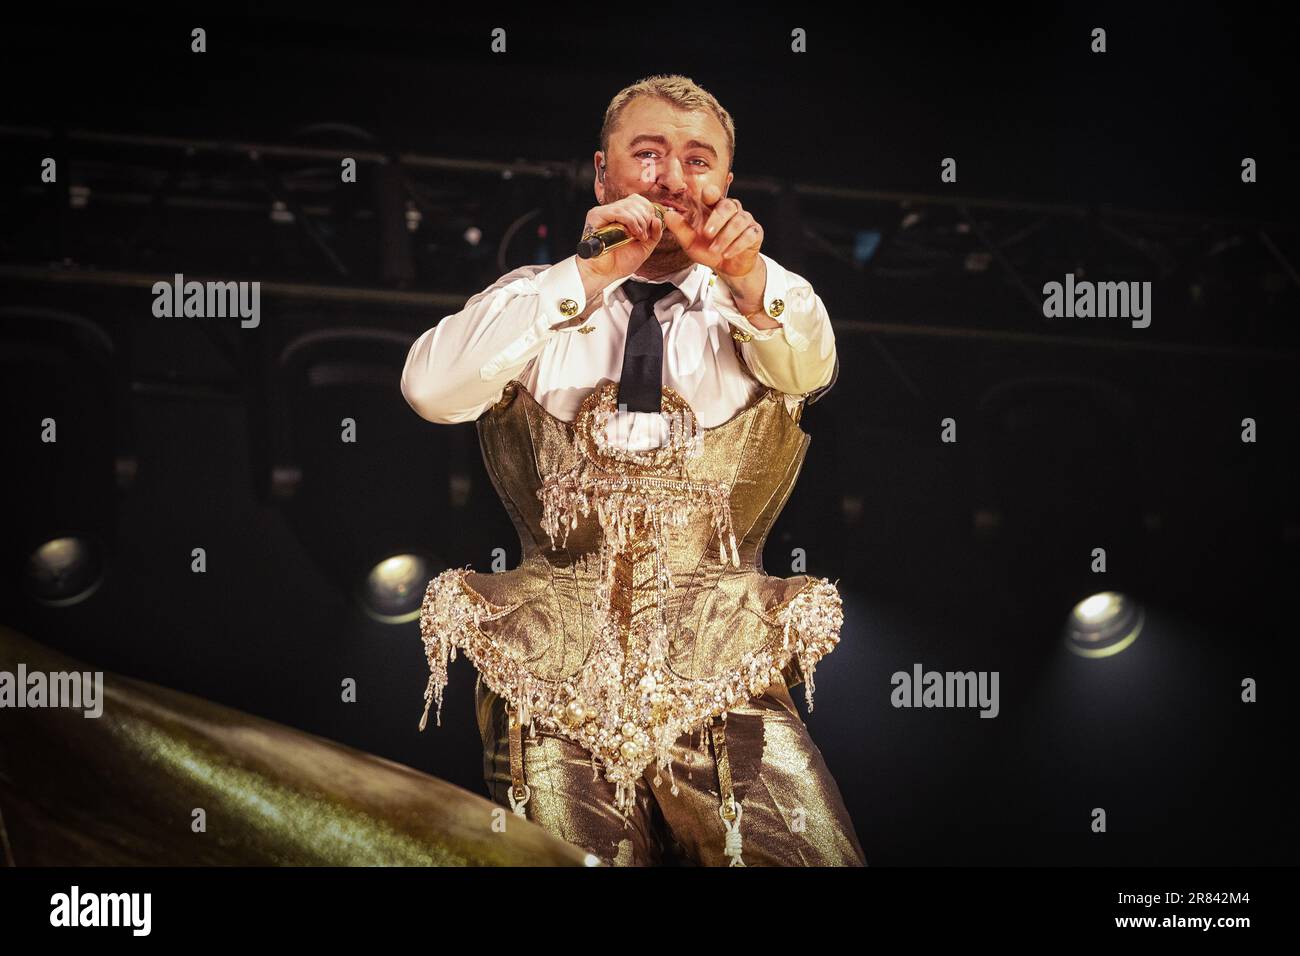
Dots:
(519, 791)
(730, 810)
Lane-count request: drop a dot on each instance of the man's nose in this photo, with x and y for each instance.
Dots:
(670, 175)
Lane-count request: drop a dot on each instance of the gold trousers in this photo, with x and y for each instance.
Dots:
(755, 792)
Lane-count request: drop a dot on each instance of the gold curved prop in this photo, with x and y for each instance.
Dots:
(123, 788)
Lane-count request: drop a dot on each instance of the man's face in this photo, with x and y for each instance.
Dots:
(668, 155)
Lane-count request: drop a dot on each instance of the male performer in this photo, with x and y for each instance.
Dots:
(639, 411)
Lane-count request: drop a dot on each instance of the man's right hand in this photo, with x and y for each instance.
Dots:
(637, 216)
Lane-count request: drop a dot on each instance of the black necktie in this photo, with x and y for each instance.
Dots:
(643, 351)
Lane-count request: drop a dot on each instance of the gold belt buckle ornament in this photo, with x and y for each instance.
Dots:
(591, 430)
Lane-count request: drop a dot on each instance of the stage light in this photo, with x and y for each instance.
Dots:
(1103, 624)
(64, 571)
(61, 371)
(394, 588)
(865, 244)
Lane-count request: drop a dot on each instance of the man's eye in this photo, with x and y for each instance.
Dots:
(697, 159)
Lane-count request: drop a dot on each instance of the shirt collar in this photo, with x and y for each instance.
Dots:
(689, 280)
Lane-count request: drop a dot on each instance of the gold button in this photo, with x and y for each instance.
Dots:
(586, 329)
(776, 308)
(740, 336)
(568, 308)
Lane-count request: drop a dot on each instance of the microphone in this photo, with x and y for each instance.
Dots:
(608, 237)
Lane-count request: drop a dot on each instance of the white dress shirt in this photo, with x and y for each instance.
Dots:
(524, 326)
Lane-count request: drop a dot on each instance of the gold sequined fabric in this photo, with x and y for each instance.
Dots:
(793, 812)
(640, 610)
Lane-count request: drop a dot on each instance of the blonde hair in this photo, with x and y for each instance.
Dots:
(682, 92)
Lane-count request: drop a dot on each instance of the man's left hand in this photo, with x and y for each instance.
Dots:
(728, 242)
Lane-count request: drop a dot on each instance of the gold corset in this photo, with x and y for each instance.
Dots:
(647, 613)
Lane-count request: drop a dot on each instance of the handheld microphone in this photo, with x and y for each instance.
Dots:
(609, 237)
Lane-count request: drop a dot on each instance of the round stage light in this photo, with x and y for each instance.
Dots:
(64, 571)
(394, 588)
(1103, 624)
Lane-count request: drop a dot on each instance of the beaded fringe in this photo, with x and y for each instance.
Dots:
(579, 708)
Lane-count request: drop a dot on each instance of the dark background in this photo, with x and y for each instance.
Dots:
(1073, 434)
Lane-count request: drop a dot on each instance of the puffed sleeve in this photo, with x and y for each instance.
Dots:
(799, 357)
(458, 369)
